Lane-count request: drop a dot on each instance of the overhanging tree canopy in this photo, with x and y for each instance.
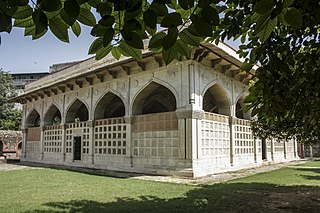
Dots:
(282, 36)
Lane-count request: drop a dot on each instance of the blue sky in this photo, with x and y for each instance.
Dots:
(22, 54)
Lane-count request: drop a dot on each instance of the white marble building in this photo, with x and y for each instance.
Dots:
(143, 116)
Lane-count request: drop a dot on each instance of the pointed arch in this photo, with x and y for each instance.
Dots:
(77, 111)
(1, 147)
(33, 119)
(110, 105)
(154, 98)
(240, 112)
(52, 116)
(216, 100)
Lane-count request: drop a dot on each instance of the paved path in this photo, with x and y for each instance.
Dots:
(211, 179)
(9, 167)
(222, 177)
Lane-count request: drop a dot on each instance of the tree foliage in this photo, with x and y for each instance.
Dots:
(10, 118)
(281, 36)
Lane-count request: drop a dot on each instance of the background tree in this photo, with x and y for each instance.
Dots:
(281, 36)
(10, 118)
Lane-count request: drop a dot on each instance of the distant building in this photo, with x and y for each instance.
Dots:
(21, 79)
(57, 67)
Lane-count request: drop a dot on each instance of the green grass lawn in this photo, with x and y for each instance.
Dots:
(55, 190)
(315, 163)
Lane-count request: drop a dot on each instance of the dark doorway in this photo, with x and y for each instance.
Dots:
(264, 149)
(77, 148)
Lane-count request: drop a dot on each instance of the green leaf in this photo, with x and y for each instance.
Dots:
(200, 26)
(186, 4)
(106, 21)
(94, 3)
(246, 66)
(250, 98)
(135, 41)
(86, 17)
(101, 53)
(243, 39)
(108, 36)
(128, 50)
(169, 55)
(120, 5)
(116, 52)
(182, 48)
(104, 9)
(52, 14)
(95, 46)
(27, 22)
(72, 8)
(66, 18)
(170, 39)
(281, 19)
(50, 5)
(159, 9)
(269, 27)
(132, 25)
(23, 12)
(210, 15)
(155, 40)
(98, 30)
(59, 29)
(293, 17)
(262, 21)
(287, 3)
(134, 5)
(30, 31)
(263, 6)
(40, 20)
(76, 29)
(188, 38)
(5, 23)
(171, 20)
(150, 18)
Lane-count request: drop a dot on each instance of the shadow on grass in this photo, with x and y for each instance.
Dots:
(232, 197)
(83, 170)
(310, 177)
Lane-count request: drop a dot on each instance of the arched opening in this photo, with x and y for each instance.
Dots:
(1, 148)
(18, 151)
(155, 98)
(110, 106)
(33, 119)
(240, 112)
(77, 112)
(20, 146)
(52, 117)
(216, 101)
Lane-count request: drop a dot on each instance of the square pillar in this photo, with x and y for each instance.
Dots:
(91, 125)
(295, 147)
(42, 129)
(255, 150)
(129, 121)
(189, 121)
(24, 143)
(63, 141)
(272, 149)
(285, 152)
(232, 139)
